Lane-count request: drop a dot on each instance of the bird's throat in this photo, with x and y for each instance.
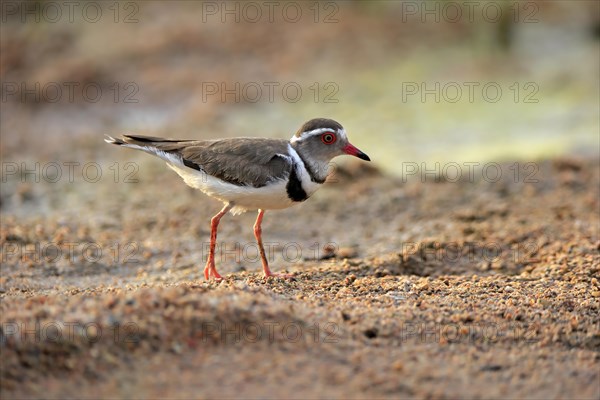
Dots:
(317, 169)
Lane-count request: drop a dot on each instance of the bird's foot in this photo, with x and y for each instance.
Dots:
(269, 274)
(211, 272)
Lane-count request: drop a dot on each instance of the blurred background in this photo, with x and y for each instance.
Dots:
(93, 235)
(412, 81)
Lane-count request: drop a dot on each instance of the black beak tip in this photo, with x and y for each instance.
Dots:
(363, 156)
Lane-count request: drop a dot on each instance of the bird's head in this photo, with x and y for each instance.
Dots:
(322, 139)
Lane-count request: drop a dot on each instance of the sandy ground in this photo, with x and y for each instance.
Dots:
(402, 288)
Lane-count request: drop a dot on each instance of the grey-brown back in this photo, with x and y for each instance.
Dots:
(241, 161)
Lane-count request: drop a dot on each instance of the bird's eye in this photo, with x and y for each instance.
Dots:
(328, 138)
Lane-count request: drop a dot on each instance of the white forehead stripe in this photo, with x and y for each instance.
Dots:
(315, 132)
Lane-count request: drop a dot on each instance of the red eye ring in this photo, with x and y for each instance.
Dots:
(328, 138)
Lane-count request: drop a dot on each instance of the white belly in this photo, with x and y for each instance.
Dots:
(270, 197)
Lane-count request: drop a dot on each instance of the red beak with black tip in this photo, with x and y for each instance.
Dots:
(353, 151)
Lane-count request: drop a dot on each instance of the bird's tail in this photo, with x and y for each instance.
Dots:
(167, 149)
(142, 140)
(112, 140)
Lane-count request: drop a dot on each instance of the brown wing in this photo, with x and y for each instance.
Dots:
(240, 161)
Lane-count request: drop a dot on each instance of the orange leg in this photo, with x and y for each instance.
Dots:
(209, 270)
(263, 257)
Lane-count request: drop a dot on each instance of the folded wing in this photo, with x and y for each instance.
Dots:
(252, 162)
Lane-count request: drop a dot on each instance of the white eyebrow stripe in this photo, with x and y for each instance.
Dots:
(316, 132)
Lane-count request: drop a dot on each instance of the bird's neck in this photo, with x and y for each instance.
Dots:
(317, 169)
